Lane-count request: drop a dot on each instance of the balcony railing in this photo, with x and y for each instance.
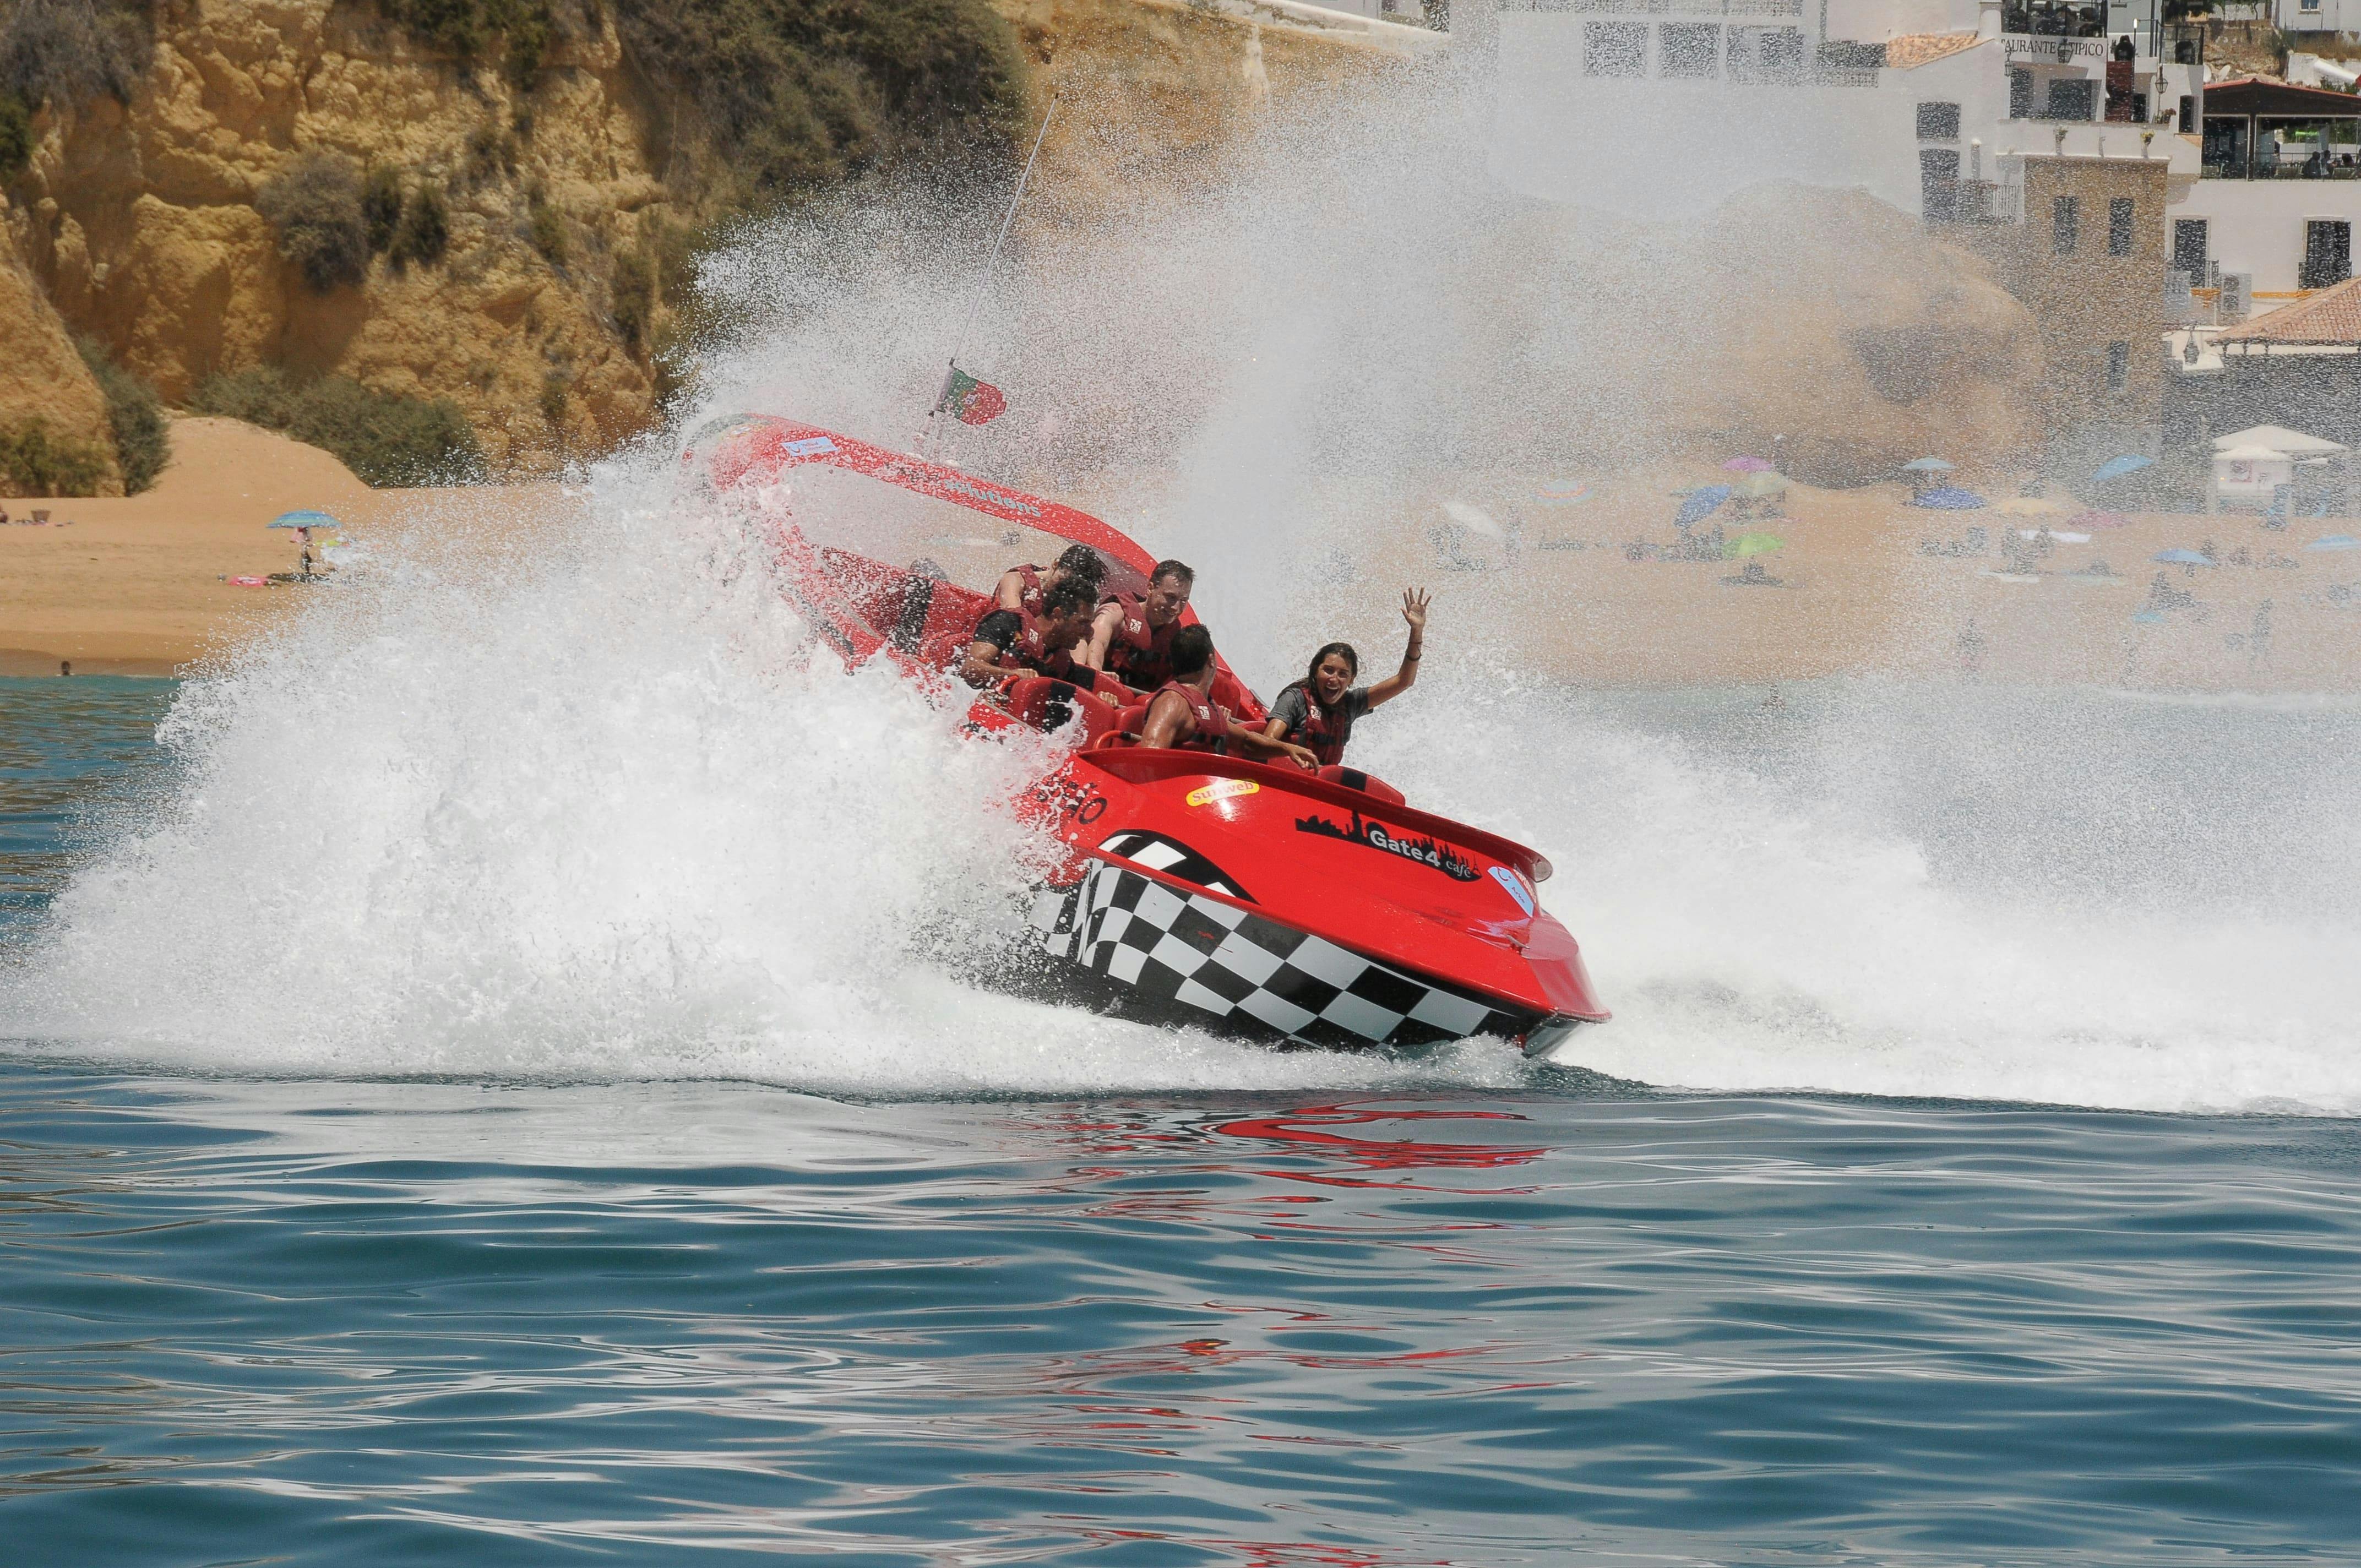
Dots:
(2054, 19)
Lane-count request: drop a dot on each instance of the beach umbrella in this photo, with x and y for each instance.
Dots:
(2336, 542)
(1700, 505)
(1474, 519)
(1925, 465)
(2031, 506)
(2117, 467)
(1949, 498)
(2181, 558)
(1749, 466)
(305, 519)
(2098, 520)
(1562, 492)
(1751, 544)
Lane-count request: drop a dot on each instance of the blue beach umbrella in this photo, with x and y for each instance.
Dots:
(2117, 467)
(2336, 542)
(2181, 558)
(1700, 505)
(305, 519)
(1949, 498)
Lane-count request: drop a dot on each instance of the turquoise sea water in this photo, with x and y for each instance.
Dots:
(292, 1319)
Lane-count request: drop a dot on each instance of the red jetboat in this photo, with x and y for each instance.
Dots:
(1197, 889)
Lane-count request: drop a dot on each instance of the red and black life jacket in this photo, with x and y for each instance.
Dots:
(1140, 654)
(1212, 720)
(1029, 598)
(1032, 650)
(1320, 735)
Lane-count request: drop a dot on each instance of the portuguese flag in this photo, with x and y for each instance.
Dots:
(972, 401)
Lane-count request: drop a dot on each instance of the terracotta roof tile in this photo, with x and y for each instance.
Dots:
(2332, 315)
(1914, 49)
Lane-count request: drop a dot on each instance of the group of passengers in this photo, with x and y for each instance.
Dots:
(1133, 652)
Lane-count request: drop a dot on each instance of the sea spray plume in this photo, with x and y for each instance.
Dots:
(1807, 898)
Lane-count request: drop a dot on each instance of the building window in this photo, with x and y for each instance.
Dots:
(2327, 252)
(2119, 226)
(1939, 122)
(1765, 54)
(2189, 249)
(2065, 223)
(1615, 49)
(2119, 366)
(2020, 95)
(2188, 113)
(1939, 183)
(2309, 6)
(2071, 98)
(1690, 50)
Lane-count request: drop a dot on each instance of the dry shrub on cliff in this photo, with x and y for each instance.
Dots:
(385, 438)
(72, 50)
(315, 205)
(34, 463)
(143, 442)
(800, 98)
(424, 232)
(381, 206)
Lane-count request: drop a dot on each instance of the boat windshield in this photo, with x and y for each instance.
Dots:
(851, 511)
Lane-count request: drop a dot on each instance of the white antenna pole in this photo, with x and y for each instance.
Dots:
(983, 284)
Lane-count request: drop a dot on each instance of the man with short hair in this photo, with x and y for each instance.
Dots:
(1022, 587)
(1182, 713)
(1132, 637)
(1010, 642)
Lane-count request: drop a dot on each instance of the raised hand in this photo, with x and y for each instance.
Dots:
(1414, 602)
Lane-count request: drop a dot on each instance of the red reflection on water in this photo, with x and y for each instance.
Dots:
(1278, 1553)
(1303, 1131)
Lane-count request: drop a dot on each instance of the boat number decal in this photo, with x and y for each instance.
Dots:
(1091, 810)
(1516, 886)
(1224, 789)
(1375, 835)
(810, 446)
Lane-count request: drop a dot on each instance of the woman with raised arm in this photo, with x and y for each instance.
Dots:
(1317, 712)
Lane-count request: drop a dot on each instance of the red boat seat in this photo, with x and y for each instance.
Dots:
(1051, 705)
(1353, 778)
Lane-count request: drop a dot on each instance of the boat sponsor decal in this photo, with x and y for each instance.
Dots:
(810, 446)
(1221, 789)
(1373, 834)
(1516, 886)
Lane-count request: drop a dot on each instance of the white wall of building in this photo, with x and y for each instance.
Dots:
(2319, 16)
(2256, 226)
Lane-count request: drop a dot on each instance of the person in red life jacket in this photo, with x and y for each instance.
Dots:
(1010, 642)
(1021, 588)
(1132, 638)
(1318, 711)
(1183, 714)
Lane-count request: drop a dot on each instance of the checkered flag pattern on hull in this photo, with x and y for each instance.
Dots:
(1244, 972)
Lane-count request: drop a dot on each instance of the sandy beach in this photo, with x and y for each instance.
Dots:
(1589, 591)
(135, 585)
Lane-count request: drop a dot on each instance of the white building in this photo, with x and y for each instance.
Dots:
(1659, 106)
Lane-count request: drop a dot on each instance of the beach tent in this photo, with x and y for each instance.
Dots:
(1925, 465)
(1948, 498)
(2278, 438)
(2117, 467)
(2336, 542)
(2252, 472)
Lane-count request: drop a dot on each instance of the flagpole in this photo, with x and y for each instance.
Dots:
(983, 284)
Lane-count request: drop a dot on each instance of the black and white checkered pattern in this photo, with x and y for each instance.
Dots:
(1230, 967)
